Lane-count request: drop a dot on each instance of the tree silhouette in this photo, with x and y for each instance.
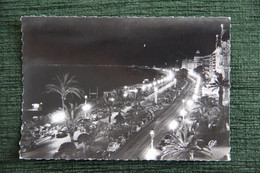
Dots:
(185, 145)
(220, 84)
(64, 85)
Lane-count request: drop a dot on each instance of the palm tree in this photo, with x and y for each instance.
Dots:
(201, 118)
(206, 109)
(219, 84)
(65, 85)
(206, 103)
(185, 145)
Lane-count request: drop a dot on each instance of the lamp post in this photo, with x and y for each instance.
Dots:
(190, 103)
(174, 82)
(152, 138)
(183, 113)
(155, 94)
(86, 107)
(86, 97)
(125, 95)
(183, 101)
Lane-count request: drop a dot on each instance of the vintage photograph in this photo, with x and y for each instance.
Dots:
(126, 88)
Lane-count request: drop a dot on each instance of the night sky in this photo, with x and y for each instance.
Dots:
(119, 41)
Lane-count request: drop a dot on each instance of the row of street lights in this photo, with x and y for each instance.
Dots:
(173, 125)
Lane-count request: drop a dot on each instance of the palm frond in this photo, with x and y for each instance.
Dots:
(53, 88)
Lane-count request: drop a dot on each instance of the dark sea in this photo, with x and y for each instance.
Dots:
(105, 78)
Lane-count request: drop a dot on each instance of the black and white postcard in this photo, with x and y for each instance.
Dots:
(126, 88)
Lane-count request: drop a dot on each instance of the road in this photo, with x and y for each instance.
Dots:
(137, 146)
(46, 148)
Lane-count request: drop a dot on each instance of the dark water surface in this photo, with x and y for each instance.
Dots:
(89, 77)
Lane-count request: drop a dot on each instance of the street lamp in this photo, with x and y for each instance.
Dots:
(190, 102)
(125, 95)
(183, 113)
(173, 126)
(183, 101)
(151, 153)
(152, 138)
(155, 94)
(86, 97)
(86, 107)
(174, 82)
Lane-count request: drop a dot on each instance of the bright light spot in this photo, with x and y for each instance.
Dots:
(86, 107)
(112, 99)
(194, 97)
(144, 45)
(169, 76)
(58, 116)
(183, 100)
(47, 125)
(35, 105)
(183, 112)
(135, 90)
(152, 132)
(143, 87)
(125, 95)
(151, 154)
(125, 87)
(150, 85)
(190, 102)
(155, 89)
(173, 125)
(154, 83)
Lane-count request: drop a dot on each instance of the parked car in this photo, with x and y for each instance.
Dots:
(113, 146)
(61, 134)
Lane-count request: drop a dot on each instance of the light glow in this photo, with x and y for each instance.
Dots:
(86, 107)
(58, 116)
(151, 154)
(125, 95)
(152, 133)
(112, 99)
(195, 97)
(173, 125)
(190, 102)
(183, 112)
